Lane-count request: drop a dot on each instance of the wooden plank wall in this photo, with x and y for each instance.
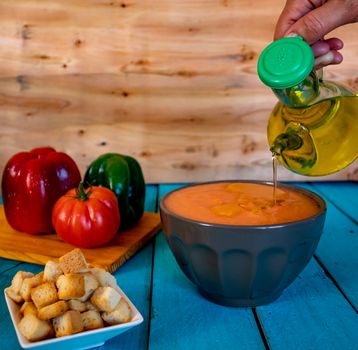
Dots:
(170, 82)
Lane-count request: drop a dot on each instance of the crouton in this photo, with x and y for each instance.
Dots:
(74, 304)
(70, 286)
(68, 323)
(72, 262)
(28, 307)
(91, 284)
(52, 310)
(17, 280)
(103, 277)
(121, 314)
(44, 294)
(105, 298)
(33, 328)
(29, 283)
(52, 271)
(16, 297)
(91, 320)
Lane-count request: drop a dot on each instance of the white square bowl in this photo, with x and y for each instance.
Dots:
(83, 340)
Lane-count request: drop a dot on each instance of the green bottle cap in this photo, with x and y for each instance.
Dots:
(285, 63)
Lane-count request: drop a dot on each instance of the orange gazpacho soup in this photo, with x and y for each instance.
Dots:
(241, 203)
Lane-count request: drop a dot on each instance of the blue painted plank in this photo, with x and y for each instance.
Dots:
(6, 264)
(183, 319)
(310, 314)
(338, 246)
(343, 194)
(134, 277)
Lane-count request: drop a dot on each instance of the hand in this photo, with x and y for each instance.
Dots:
(313, 19)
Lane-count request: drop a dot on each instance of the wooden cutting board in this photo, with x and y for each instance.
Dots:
(41, 248)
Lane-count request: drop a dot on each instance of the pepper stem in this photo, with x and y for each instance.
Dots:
(82, 193)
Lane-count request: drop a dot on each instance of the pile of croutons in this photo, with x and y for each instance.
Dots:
(68, 297)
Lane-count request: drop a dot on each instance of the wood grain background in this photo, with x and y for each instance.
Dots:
(172, 83)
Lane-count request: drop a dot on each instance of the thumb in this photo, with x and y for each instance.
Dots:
(317, 23)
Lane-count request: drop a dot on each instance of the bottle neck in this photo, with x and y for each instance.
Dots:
(300, 95)
(310, 91)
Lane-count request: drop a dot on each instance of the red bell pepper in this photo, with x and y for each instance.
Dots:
(31, 184)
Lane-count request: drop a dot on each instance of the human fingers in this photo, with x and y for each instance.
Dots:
(334, 43)
(291, 13)
(321, 47)
(331, 57)
(320, 21)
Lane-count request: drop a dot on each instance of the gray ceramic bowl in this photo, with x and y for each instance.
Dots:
(243, 266)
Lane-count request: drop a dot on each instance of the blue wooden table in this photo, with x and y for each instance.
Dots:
(318, 311)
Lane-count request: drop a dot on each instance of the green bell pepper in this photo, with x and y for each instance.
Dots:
(123, 175)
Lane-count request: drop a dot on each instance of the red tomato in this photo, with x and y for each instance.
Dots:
(86, 218)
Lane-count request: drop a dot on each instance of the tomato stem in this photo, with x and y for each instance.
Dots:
(81, 193)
